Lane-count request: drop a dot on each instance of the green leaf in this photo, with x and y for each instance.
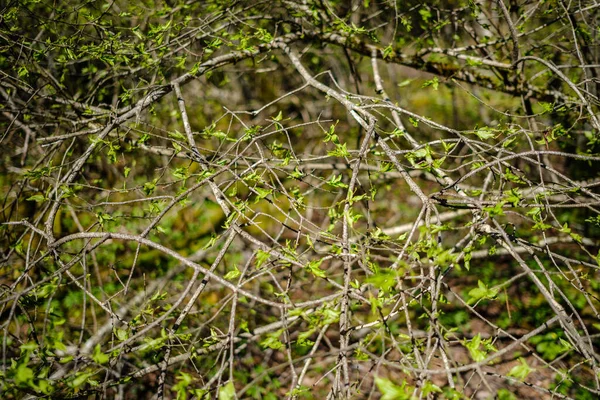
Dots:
(482, 292)
(178, 136)
(24, 374)
(330, 135)
(434, 83)
(508, 174)
(521, 371)
(261, 257)
(326, 316)
(496, 210)
(514, 197)
(28, 347)
(149, 187)
(508, 142)
(314, 269)
(296, 174)
(425, 14)
(38, 198)
(45, 291)
(227, 392)
(340, 151)
(336, 181)
(272, 341)
(121, 334)
(386, 166)
(473, 62)
(152, 344)
(80, 379)
(388, 52)
(98, 356)
(406, 23)
(534, 213)
(474, 346)
(180, 173)
(103, 217)
(391, 391)
(232, 274)
(262, 193)
(385, 279)
(429, 387)
(505, 394)
(485, 133)
(211, 241)
(378, 234)
(158, 296)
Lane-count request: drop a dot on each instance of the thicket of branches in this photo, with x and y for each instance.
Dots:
(300, 199)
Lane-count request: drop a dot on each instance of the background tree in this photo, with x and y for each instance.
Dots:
(300, 199)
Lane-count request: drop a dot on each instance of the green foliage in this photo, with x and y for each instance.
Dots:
(482, 292)
(391, 391)
(551, 345)
(314, 269)
(478, 347)
(227, 392)
(504, 394)
(199, 196)
(521, 371)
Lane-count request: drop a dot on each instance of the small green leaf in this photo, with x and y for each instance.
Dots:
(508, 174)
(388, 52)
(121, 334)
(177, 135)
(336, 181)
(340, 151)
(261, 257)
(505, 394)
(227, 392)
(149, 187)
(28, 347)
(485, 133)
(514, 196)
(38, 198)
(482, 292)
(98, 356)
(297, 174)
(391, 391)
(496, 210)
(474, 346)
(80, 379)
(272, 341)
(313, 267)
(211, 241)
(521, 371)
(384, 279)
(429, 387)
(180, 173)
(232, 274)
(262, 193)
(24, 374)
(434, 83)
(473, 62)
